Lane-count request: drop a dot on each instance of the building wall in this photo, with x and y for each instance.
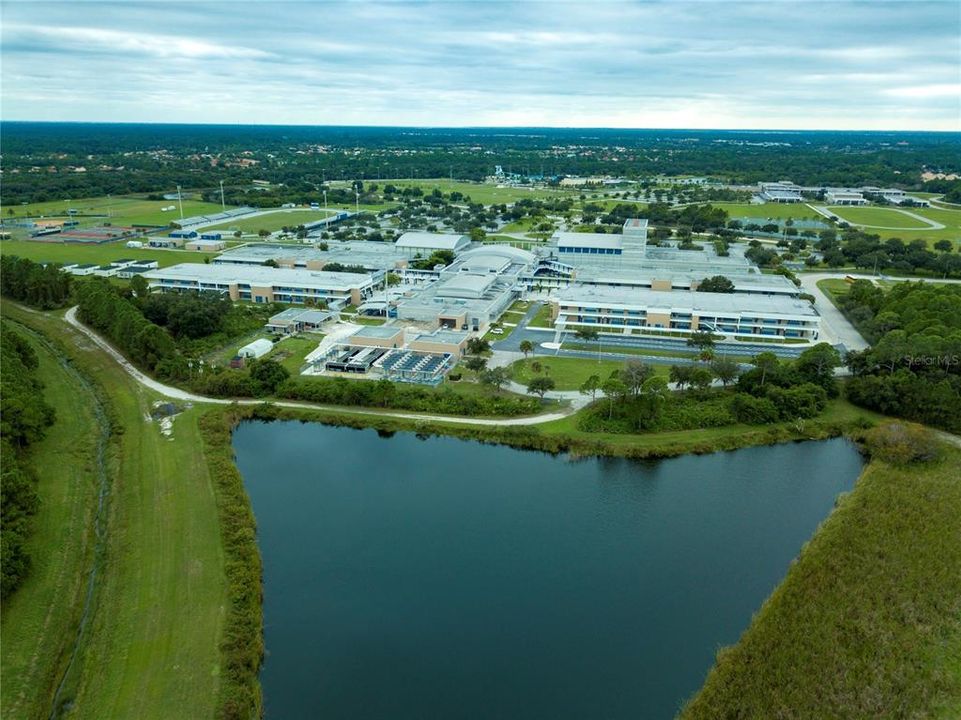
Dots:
(457, 350)
(392, 342)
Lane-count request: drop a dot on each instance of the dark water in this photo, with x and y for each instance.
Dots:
(440, 578)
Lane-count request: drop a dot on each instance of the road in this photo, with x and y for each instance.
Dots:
(175, 393)
(835, 328)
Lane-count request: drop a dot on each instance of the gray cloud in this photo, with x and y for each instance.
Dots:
(627, 64)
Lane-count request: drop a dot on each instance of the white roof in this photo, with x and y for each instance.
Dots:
(261, 276)
(257, 347)
(699, 303)
(432, 241)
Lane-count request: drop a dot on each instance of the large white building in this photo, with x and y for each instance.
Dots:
(644, 311)
(472, 292)
(424, 243)
(260, 284)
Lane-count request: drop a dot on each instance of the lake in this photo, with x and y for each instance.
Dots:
(442, 578)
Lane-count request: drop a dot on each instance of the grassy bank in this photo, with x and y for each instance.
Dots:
(152, 647)
(40, 620)
(868, 621)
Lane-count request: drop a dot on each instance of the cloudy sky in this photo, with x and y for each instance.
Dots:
(590, 63)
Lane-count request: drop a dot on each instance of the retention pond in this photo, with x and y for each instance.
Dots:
(441, 578)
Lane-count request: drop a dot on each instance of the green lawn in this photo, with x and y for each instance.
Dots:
(123, 210)
(542, 319)
(40, 620)
(152, 649)
(481, 192)
(290, 352)
(100, 254)
(772, 211)
(570, 373)
(272, 222)
(877, 216)
(867, 622)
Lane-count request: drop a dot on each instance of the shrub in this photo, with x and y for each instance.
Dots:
(901, 443)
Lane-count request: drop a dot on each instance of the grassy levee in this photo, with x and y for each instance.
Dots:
(152, 646)
(40, 619)
(867, 622)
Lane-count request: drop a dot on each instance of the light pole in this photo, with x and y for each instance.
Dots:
(223, 203)
(325, 201)
(180, 200)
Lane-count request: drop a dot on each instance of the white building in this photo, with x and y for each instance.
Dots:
(780, 192)
(262, 284)
(256, 349)
(843, 196)
(424, 243)
(644, 311)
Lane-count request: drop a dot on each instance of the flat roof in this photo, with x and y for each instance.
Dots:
(448, 337)
(696, 302)
(378, 331)
(260, 275)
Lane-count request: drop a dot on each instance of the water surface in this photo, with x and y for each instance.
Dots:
(440, 578)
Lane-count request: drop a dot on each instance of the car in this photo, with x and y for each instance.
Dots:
(497, 331)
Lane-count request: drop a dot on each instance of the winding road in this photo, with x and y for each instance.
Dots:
(175, 393)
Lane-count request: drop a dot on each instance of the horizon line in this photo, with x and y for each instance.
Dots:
(483, 127)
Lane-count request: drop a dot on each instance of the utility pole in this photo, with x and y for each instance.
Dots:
(223, 203)
(180, 199)
(325, 201)
(356, 201)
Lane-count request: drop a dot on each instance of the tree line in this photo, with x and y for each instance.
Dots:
(913, 369)
(24, 419)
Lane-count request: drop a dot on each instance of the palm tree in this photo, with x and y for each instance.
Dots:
(526, 347)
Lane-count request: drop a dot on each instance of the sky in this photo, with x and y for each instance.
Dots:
(877, 65)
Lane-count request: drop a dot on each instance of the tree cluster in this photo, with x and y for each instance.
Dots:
(24, 419)
(42, 286)
(913, 369)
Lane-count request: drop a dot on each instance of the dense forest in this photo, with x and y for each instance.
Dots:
(41, 160)
(913, 369)
(24, 418)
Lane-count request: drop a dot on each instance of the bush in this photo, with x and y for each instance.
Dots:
(902, 443)
(754, 410)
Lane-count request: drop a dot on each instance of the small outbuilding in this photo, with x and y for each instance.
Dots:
(256, 349)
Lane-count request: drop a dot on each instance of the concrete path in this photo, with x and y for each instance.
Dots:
(178, 394)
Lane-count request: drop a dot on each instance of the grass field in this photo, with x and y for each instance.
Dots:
(290, 352)
(39, 622)
(123, 210)
(868, 621)
(480, 192)
(570, 373)
(272, 222)
(877, 216)
(100, 254)
(152, 650)
(774, 211)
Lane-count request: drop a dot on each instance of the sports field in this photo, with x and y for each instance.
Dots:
(772, 211)
(124, 210)
(64, 253)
